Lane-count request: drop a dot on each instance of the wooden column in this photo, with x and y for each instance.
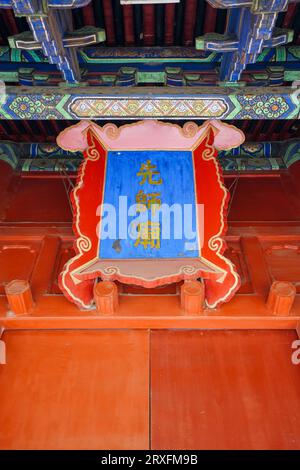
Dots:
(106, 297)
(192, 297)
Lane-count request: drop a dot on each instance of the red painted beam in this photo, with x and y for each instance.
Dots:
(149, 24)
(169, 24)
(128, 25)
(88, 15)
(210, 19)
(189, 22)
(109, 22)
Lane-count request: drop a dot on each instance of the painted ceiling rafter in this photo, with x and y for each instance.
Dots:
(221, 45)
(85, 36)
(51, 28)
(250, 28)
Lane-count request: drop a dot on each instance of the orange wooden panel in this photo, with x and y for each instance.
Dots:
(65, 253)
(74, 390)
(235, 253)
(17, 260)
(170, 289)
(224, 390)
(283, 260)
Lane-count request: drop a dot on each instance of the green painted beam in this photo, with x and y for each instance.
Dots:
(249, 157)
(115, 55)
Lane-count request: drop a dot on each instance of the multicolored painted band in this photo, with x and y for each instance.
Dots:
(147, 103)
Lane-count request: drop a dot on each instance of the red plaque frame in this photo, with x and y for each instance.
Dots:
(80, 272)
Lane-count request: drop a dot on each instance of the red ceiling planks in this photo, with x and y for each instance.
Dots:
(221, 390)
(75, 390)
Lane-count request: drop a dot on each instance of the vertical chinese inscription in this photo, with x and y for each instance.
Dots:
(149, 231)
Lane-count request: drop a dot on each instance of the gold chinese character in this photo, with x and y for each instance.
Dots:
(147, 172)
(141, 200)
(150, 201)
(154, 202)
(148, 235)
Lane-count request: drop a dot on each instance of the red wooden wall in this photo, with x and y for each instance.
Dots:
(263, 237)
(75, 380)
